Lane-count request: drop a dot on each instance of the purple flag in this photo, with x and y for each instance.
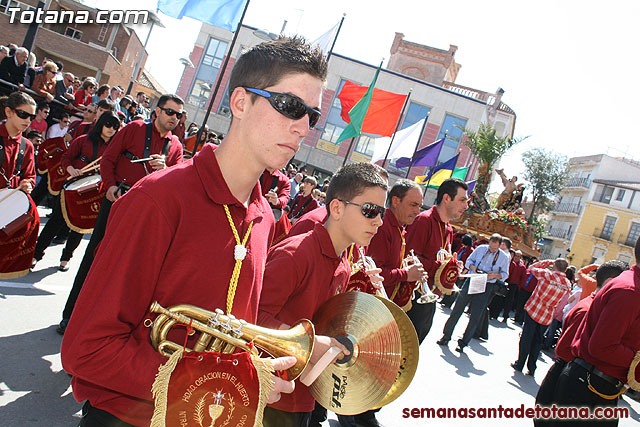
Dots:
(427, 156)
(472, 186)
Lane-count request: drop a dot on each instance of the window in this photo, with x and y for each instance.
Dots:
(331, 132)
(598, 256)
(607, 228)
(225, 108)
(604, 194)
(207, 73)
(73, 33)
(625, 258)
(634, 233)
(104, 28)
(620, 195)
(452, 128)
(366, 145)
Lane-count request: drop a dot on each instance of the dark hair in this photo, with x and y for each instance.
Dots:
(59, 64)
(169, 97)
(507, 241)
(139, 93)
(102, 89)
(400, 189)
(467, 240)
(561, 265)
(266, 64)
(351, 180)
(108, 117)
(33, 134)
(637, 251)
(42, 105)
(64, 115)
(450, 186)
(570, 272)
(13, 101)
(609, 270)
(106, 104)
(382, 172)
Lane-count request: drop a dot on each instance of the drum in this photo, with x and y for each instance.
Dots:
(80, 201)
(19, 225)
(50, 151)
(14, 211)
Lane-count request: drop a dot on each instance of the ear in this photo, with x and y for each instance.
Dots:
(336, 209)
(395, 201)
(238, 102)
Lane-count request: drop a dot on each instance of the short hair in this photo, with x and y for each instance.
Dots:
(106, 104)
(64, 115)
(266, 64)
(609, 270)
(637, 251)
(59, 64)
(507, 241)
(310, 180)
(169, 97)
(42, 105)
(88, 82)
(13, 101)
(21, 50)
(351, 180)
(50, 66)
(400, 189)
(561, 265)
(139, 93)
(467, 240)
(382, 172)
(102, 89)
(450, 186)
(33, 134)
(495, 237)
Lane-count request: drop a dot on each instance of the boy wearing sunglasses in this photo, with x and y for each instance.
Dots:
(178, 236)
(305, 270)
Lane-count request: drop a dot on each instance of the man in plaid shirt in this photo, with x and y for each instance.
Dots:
(552, 286)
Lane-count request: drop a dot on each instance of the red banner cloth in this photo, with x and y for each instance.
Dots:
(17, 248)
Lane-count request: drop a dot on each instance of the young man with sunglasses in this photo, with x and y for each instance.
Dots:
(90, 116)
(305, 270)
(138, 140)
(177, 236)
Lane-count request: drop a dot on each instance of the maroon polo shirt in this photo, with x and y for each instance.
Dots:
(157, 247)
(301, 205)
(302, 272)
(426, 236)
(78, 129)
(609, 337)
(570, 326)
(115, 166)
(283, 186)
(81, 146)
(11, 148)
(386, 249)
(517, 273)
(309, 220)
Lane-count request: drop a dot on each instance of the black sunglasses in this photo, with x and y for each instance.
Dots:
(369, 210)
(169, 112)
(115, 124)
(23, 114)
(288, 105)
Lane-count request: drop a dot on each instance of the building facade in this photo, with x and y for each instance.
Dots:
(596, 217)
(425, 72)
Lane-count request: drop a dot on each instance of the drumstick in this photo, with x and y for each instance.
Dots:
(87, 167)
(146, 159)
(9, 195)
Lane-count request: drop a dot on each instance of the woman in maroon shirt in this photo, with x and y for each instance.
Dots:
(81, 152)
(85, 94)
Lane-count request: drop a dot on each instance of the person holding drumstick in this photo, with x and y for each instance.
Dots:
(82, 151)
(17, 171)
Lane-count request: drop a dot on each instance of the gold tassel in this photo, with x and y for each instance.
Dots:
(264, 368)
(160, 389)
(631, 380)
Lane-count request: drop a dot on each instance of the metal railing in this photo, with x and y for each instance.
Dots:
(559, 233)
(488, 98)
(571, 208)
(578, 182)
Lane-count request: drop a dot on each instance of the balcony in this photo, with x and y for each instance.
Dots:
(578, 183)
(559, 233)
(625, 241)
(600, 233)
(488, 98)
(568, 208)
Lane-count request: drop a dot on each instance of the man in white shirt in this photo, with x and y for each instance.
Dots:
(59, 129)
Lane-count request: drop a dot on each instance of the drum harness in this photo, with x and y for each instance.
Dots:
(19, 159)
(147, 147)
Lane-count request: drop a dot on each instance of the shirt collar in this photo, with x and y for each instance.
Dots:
(5, 134)
(326, 245)
(436, 215)
(391, 218)
(155, 131)
(208, 170)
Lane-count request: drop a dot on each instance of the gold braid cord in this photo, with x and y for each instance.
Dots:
(233, 284)
(264, 368)
(632, 380)
(160, 389)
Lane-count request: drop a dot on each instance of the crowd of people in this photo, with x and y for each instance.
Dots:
(148, 238)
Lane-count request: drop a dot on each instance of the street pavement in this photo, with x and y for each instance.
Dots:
(35, 391)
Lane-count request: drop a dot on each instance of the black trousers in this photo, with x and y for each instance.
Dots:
(55, 224)
(421, 315)
(40, 191)
(548, 388)
(496, 306)
(87, 259)
(530, 343)
(510, 300)
(572, 390)
(521, 299)
(277, 418)
(94, 417)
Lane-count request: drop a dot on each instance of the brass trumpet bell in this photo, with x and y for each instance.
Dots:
(224, 333)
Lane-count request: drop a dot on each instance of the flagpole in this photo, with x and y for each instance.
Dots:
(344, 162)
(439, 151)
(406, 102)
(424, 125)
(335, 38)
(219, 79)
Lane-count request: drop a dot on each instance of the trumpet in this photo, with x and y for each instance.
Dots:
(422, 284)
(224, 333)
(369, 264)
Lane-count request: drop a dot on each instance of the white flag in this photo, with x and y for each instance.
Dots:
(325, 41)
(403, 144)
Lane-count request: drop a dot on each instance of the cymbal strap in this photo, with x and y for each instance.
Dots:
(309, 376)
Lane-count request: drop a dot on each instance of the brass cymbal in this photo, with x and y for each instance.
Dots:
(410, 352)
(362, 380)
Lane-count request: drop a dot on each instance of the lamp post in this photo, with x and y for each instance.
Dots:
(154, 20)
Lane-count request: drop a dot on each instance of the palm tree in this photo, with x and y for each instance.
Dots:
(488, 149)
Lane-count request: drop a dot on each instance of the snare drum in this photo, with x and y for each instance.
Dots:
(80, 201)
(14, 211)
(84, 183)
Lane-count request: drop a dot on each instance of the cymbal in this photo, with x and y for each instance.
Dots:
(360, 381)
(409, 356)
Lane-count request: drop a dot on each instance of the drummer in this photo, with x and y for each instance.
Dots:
(304, 271)
(82, 151)
(17, 170)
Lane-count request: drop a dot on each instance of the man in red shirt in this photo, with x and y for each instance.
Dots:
(552, 286)
(275, 188)
(430, 233)
(163, 235)
(304, 201)
(517, 276)
(305, 270)
(138, 140)
(604, 346)
(605, 273)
